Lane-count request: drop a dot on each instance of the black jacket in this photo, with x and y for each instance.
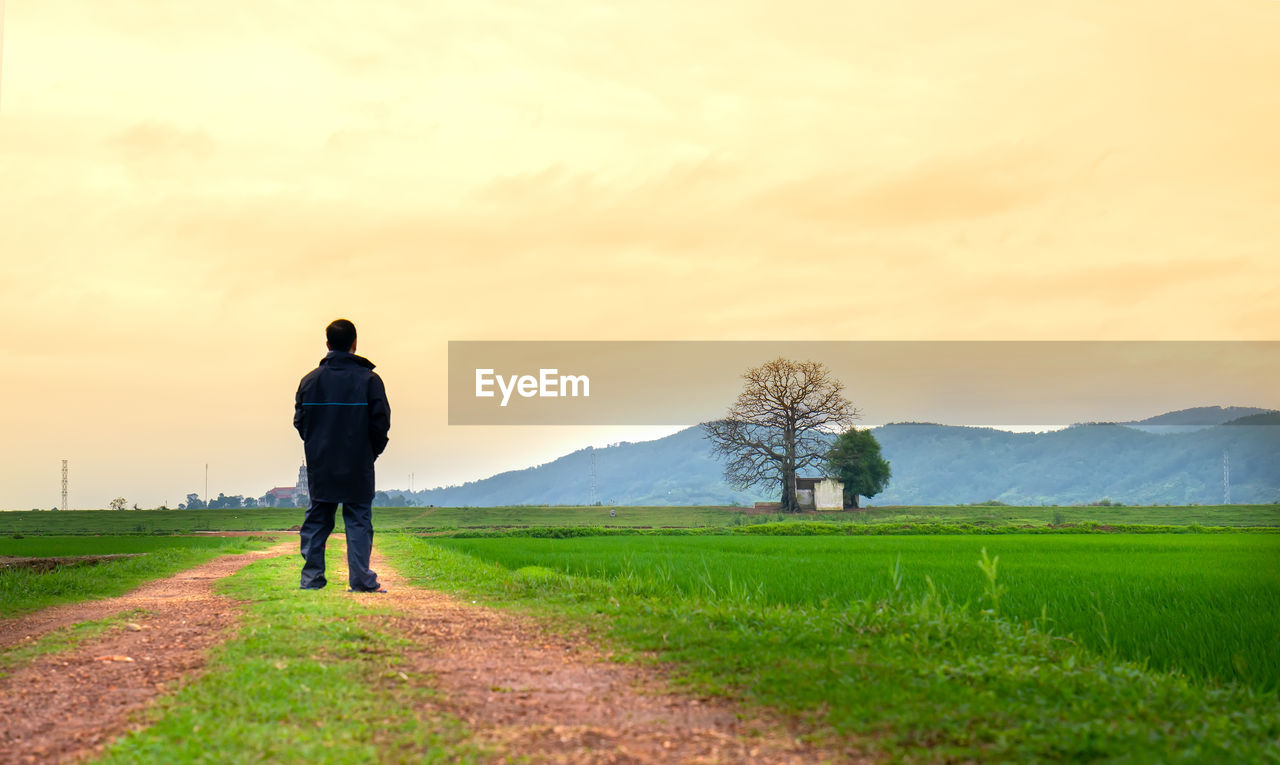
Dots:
(342, 414)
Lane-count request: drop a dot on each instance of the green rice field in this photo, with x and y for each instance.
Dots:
(1139, 648)
(1205, 605)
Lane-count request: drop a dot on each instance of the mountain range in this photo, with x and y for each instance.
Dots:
(1174, 458)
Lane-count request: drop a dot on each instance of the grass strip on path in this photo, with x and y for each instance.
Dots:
(313, 676)
(927, 680)
(25, 590)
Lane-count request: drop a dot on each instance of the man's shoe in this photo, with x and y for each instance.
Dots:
(380, 589)
(321, 587)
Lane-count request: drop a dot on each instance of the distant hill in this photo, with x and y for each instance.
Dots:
(1266, 418)
(1186, 420)
(675, 470)
(936, 464)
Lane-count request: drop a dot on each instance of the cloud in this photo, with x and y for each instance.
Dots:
(159, 141)
(191, 192)
(939, 189)
(1121, 281)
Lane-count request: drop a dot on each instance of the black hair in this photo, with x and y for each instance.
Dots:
(341, 335)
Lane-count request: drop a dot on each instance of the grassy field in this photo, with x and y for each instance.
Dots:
(23, 590)
(1171, 515)
(947, 647)
(386, 519)
(1206, 605)
(44, 546)
(146, 521)
(418, 519)
(1082, 647)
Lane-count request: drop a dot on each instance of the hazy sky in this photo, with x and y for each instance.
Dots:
(190, 191)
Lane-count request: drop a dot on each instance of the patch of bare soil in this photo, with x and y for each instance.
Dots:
(534, 693)
(50, 563)
(63, 707)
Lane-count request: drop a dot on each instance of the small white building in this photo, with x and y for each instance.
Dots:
(820, 493)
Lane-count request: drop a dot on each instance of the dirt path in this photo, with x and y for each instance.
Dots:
(183, 584)
(533, 693)
(523, 689)
(63, 707)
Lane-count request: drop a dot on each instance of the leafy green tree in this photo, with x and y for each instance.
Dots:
(118, 503)
(855, 459)
(194, 502)
(225, 502)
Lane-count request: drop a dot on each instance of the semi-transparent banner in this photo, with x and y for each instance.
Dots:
(963, 383)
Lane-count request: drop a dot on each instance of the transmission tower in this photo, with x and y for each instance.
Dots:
(63, 506)
(1226, 478)
(593, 476)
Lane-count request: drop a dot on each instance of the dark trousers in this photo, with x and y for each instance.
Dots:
(316, 527)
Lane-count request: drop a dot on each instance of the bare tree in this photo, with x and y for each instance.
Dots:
(780, 424)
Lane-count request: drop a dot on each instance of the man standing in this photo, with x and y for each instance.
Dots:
(342, 414)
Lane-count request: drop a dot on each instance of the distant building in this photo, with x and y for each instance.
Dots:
(288, 496)
(283, 495)
(820, 493)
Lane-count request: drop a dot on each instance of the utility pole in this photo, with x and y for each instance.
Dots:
(206, 486)
(64, 485)
(1226, 478)
(593, 476)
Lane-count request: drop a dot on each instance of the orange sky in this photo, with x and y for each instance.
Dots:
(189, 192)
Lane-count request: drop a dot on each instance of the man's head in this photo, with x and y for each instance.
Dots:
(341, 336)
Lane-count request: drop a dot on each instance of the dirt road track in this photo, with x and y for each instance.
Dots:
(531, 692)
(525, 690)
(63, 707)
